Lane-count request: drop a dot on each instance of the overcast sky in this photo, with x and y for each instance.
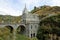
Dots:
(15, 7)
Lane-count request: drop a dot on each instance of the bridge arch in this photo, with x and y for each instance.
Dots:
(21, 29)
(10, 28)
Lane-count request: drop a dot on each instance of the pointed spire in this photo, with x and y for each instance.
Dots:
(25, 6)
(25, 9)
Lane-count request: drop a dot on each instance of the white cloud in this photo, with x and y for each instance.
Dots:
(31, 2)
(55, 2)
(8, 7)
(10, 11)
(37, 2)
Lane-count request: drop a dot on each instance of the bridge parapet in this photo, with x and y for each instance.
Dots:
(13, 25)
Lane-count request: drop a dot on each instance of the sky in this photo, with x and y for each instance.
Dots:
(15, 7)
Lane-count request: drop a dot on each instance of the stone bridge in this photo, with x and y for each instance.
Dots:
(14, 26)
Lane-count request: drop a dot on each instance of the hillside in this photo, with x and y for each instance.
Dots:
(50, 27)
(9, 19)
(45, 10)
(42, 11)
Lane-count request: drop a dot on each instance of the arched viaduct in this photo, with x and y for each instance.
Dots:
(14, 27)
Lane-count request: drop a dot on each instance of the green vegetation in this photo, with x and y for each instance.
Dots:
(9, 19)
(45, 10)
(49, 26)
(6, 35)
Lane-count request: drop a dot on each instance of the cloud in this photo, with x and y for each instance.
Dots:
(7, 9)
(10, 11)
(31, 3)
(15, 7)
(55, 3)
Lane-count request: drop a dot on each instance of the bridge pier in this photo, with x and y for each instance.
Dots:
(14, 34)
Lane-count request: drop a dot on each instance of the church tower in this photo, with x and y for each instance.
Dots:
(24, 14)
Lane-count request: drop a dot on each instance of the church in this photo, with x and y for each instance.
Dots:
(31, 21)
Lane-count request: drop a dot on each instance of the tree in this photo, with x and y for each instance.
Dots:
(48, 26)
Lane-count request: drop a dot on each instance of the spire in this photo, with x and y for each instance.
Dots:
(25, 9)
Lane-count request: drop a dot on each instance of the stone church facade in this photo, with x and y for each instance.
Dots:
(31, 22)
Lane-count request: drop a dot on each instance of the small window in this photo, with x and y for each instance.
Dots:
(31, 26)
